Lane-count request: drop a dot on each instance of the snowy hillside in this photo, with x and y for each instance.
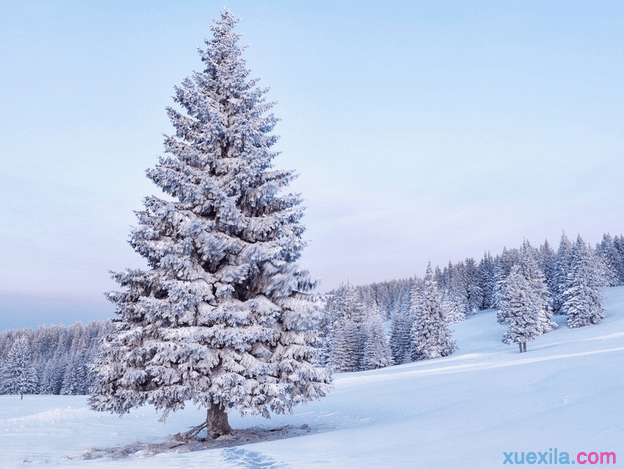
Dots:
(462, 411)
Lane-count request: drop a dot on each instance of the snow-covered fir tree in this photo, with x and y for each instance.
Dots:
(582, 299)
(376, 349)
(462, 280)
(618, 244)
(430, 335)
(18, 374)
(486, 280)
(342, 351)
(453, 307)
(75, 376)
(454, 300)
(325, 331)
(611, 259)
(521, 309)
(562, 269)
(400, 333)
(223, 317)
(51, 379)
(504, 262)
(56, 374)
(408, 318)
(546, 260)
(347, 329)
(347, 342)
(529, 265)
(474, 292)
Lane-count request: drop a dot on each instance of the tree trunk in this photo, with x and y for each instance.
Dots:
(524, 346)
(520, 345)
(217, 422)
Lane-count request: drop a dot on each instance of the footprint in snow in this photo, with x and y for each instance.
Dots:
(252, 460)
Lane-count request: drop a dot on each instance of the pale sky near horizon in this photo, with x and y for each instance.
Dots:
(421, 131)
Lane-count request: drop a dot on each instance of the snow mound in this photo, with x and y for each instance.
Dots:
(51, 416)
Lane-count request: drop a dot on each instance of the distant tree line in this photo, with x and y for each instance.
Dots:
(373, 326)
(527, 285)
(51, 360)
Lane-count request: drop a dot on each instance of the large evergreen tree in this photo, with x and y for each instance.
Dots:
(223, 317)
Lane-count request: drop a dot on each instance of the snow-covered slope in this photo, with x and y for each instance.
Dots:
(463, 411)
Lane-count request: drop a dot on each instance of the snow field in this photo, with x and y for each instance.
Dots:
(461, 411)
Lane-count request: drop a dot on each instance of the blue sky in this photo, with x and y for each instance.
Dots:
(421, 131)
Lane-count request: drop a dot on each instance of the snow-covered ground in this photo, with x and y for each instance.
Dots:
(463, 411)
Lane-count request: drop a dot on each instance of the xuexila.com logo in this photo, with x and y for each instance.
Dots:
(554, 457)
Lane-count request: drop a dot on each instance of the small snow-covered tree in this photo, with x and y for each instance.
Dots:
(582, 300)
(431, 337)
(18, 374)
(223, 317)
(521, 309)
